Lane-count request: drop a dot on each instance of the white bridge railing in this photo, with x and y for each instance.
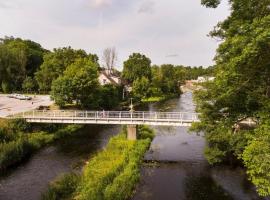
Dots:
(109, 117)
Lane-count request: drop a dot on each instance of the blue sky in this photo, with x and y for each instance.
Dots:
(172, 31)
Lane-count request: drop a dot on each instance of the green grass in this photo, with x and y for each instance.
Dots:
(110, 175)
(158, 98)
(153, 99)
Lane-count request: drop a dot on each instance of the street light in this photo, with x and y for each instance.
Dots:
(131, 106)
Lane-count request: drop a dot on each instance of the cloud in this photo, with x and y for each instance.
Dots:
(100, 4)
(171, 33)
(172, 55)
(6, 4)
(147, 7)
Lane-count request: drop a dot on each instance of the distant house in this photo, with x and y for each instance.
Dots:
(202, 79)
(108, 77)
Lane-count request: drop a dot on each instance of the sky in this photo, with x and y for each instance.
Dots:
(168, 32)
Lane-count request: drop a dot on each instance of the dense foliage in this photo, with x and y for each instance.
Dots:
(56, 62)
(78, 83)
(18, 141)
(19, 59)
(241, 90)
(136, 67)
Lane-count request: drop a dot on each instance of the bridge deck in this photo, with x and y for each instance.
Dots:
(110, 117)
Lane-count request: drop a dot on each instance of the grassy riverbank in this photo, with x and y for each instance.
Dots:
(19, 140)
(110, 175)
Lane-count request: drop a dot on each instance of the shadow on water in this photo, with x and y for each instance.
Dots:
(203, 187)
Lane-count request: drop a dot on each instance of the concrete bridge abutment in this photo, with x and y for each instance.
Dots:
(132, 132)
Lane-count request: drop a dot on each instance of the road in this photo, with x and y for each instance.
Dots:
(10, 105)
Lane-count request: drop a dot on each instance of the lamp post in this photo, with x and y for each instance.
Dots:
(131, 106)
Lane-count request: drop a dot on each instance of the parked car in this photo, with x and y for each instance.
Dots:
(19, 96)
(23, 97)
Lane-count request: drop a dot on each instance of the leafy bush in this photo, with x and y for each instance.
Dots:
(13, 152)
(123, 185)
(16, 146)
(103, 168)
(145, 132)
(62, 188)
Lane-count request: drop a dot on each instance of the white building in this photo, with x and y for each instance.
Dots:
(202, 79)
(108, 78)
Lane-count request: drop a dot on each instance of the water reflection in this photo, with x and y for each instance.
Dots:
(182, 173)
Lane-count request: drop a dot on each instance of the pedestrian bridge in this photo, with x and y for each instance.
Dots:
(109, 117)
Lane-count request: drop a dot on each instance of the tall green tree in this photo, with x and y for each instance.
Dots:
(18, 59)
(79, 83)
(56, 62)
(241, 89)
(136, 67)
(140, 88)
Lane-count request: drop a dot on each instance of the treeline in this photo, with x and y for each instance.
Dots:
(68, 75)
(240, 92)
(150, 82)
(71, 76)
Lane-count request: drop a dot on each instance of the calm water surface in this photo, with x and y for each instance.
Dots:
(181, 171)
(30, 180)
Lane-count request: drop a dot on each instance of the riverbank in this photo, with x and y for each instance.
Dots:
(159, 98)
(19, 140)
(112, 174)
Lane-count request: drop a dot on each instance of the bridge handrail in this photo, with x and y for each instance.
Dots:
(137, 115)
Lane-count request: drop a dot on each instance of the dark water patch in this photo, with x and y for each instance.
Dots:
(175, 167)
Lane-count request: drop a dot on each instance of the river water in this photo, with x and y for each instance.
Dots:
(180, 173)
(30, 180)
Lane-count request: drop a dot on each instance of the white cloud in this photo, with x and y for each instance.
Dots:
(100, 4)
(147, 7)
(175, 27)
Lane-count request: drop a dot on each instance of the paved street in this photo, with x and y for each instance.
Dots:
(10, 105)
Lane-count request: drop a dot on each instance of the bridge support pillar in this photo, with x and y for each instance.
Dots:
(131, 132)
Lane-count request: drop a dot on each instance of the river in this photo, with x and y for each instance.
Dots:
(31, 179)
(180, 173)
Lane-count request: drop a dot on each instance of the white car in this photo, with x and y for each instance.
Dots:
(19, 96)
(23, 97)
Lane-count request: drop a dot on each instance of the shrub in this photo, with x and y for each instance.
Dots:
(62, 188)
(13, 152)
(16, 146)
(103, 168)
(124, 184)
(145, 132)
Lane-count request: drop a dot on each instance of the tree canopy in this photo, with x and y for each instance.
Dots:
(241, 90)
(19, 59)
(136, 67)
(55, 64)
(78, 83)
